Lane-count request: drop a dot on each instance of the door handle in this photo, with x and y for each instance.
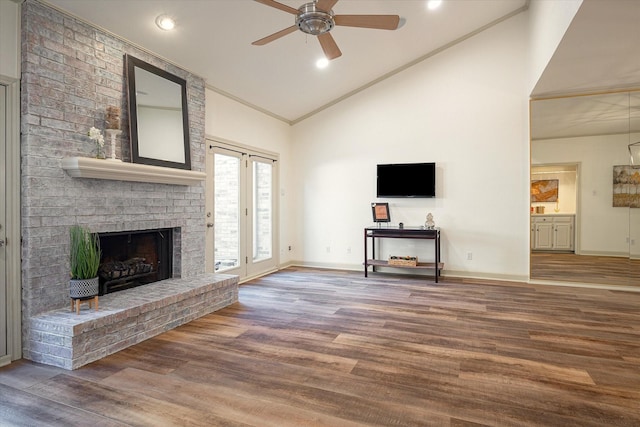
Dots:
(1, 243)
(209, 224)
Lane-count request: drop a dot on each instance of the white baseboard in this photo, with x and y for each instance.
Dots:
(599, 253)
(452, 275)
(485, 276)
(326, 265)
(428, 273)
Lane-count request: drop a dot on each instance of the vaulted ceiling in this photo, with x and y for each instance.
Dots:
(600, 52)
(213, 39)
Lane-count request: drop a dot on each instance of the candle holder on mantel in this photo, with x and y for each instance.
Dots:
(113, 133)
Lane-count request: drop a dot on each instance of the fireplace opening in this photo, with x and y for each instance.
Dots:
(134, 258)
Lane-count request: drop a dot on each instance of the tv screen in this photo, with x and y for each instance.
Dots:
(407, 180)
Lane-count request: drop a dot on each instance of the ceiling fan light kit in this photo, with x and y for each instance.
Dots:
(317, 19)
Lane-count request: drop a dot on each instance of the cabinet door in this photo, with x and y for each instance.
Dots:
(544, 235)
(563, 239)
(532, 239)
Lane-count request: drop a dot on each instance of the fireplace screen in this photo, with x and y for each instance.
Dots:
(134, 258)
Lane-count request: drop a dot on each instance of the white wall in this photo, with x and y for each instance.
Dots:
(549, 21)
(465, 109)
(9, 39)
(232, 121)
(603, 229)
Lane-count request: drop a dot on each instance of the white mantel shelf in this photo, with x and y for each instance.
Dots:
(85, 167)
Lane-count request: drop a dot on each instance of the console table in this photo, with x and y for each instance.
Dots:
(374, 233)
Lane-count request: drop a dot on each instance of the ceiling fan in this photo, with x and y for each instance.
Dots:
(317, 18)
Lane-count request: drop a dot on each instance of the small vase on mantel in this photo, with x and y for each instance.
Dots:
(113, 129)
(96, 136)
(113, 134)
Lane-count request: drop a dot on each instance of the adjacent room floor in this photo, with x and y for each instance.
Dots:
(307, 347)
(569, 267)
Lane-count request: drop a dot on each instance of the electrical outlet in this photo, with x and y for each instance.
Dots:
(289, 248)
(328, 249)
(469, 255)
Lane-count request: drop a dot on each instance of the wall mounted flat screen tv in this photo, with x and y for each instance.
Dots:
(406, 180)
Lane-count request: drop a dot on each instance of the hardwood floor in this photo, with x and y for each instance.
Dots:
(568, 267)
(307, 347)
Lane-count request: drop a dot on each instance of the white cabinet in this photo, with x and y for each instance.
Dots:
(563, 228)
(544, 236)
(552, 233)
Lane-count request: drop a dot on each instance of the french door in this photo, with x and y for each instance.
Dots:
(241, 210)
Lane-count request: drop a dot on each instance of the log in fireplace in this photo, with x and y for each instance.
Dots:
(135, 258)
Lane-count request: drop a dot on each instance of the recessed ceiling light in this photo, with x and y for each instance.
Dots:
(322, 63)
(165, 22)
(434, 4)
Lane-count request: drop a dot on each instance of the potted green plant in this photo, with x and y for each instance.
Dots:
(84, 262)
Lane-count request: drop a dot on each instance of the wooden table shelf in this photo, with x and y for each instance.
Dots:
(421, 265)
(402, 233)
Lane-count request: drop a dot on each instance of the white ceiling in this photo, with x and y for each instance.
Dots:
(602, 114)
(600, 52)
(213, 39)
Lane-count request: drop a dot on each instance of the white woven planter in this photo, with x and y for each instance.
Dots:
(84, 288)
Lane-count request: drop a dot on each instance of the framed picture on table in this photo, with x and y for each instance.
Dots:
(380, 212)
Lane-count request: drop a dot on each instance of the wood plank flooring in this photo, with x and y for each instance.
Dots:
(306, 347)
(585, 268)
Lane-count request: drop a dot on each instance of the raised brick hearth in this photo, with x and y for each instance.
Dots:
(68, 340)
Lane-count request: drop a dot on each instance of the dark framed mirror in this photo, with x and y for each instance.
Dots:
(158, 116)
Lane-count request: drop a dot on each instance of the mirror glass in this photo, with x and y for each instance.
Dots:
(580, 151)
(159, 119)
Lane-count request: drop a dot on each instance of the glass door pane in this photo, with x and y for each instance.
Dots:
(262, 211)
(227, 211)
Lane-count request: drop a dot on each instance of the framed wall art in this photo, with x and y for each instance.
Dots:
(544, 190)
(626, 186)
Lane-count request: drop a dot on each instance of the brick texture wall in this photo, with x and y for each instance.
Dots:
(71, 73)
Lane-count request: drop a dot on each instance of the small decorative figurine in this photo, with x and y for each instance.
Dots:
(113, 117)
(429, 224)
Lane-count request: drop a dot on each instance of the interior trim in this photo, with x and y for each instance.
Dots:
(13, 247)
(581, 94)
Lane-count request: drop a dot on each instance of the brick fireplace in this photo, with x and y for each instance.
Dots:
(71, 72)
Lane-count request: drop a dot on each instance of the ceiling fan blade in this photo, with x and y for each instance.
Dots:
(329, 46)
(326, 5)
(380, 22)
(275, 36)
(279, 6)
